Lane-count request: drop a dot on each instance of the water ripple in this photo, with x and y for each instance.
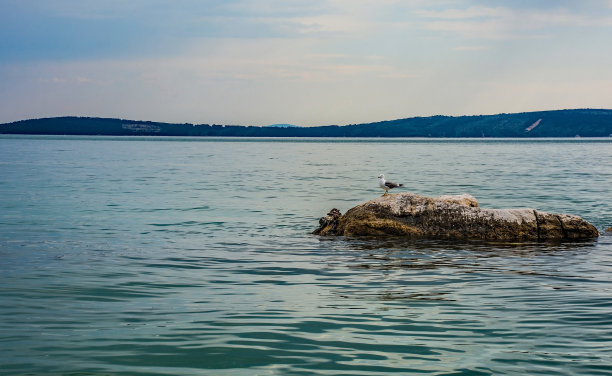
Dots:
(111, 264)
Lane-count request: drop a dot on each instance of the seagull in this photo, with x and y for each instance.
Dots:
(386, 185)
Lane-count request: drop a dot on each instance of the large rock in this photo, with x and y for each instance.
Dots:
(451, 217)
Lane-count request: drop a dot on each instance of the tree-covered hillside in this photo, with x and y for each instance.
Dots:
(561, 123)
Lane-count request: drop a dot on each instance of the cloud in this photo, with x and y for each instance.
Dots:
(470, 48)
(297, 61)
(508, 23)
(84, 80)
(55, 80)
(222, 81)
(278, 59)
(462, 14)
(119, 9)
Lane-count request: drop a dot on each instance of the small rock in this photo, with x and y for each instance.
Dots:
(328, 223)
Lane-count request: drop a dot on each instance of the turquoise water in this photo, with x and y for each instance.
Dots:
(145, 256)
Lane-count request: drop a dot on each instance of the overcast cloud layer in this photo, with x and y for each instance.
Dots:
(305, 62)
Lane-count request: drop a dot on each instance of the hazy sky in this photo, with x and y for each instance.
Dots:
(305, 62)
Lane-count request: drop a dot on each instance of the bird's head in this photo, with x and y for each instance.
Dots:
(381, 176)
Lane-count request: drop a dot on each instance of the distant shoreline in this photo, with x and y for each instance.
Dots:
(607, 139)
(542, 124)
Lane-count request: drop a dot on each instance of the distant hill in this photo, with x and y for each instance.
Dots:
(283, 126)
(560, 123)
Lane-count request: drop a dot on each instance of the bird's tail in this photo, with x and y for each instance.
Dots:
(400, 185)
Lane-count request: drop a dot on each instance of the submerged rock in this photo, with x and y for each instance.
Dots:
(451, 217)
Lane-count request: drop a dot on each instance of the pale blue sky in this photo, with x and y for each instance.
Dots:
(305, 62)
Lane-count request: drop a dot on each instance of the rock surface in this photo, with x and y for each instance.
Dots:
(451, 217)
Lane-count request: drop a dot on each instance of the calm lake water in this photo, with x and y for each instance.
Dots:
(146, 256)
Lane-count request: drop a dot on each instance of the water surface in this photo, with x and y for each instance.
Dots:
(179, 256)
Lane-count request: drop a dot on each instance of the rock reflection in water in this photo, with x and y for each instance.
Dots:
(430, 270)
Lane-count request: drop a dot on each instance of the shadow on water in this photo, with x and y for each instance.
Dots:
(480, 248)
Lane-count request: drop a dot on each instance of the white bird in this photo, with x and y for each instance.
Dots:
(386, 185)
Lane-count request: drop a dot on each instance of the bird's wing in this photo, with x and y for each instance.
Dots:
(391, 184)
